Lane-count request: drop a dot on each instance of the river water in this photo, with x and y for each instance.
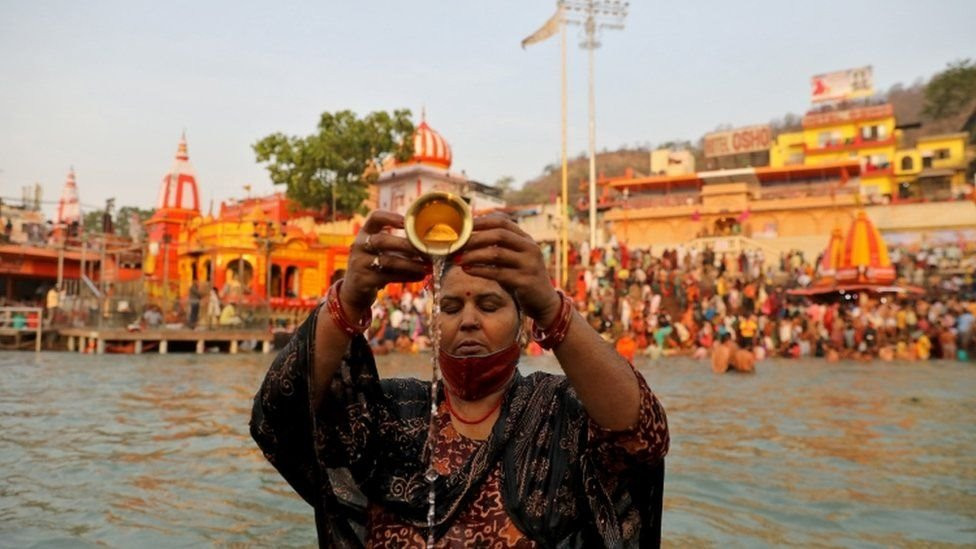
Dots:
(152, 450)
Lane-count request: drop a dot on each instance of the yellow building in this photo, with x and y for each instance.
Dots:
(261, 251)
(935, 169)
(866, 134)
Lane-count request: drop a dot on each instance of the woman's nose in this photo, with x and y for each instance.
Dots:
(469, 318)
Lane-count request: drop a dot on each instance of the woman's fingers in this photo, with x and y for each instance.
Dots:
(498, 221)
(492, 256)
(377, 220)
(392, 268)
(377, 258)
(384, 244)
(499, 237)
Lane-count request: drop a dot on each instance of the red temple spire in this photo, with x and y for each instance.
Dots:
(179, 186)
(69, 211)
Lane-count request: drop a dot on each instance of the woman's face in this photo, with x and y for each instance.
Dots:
(477, 316)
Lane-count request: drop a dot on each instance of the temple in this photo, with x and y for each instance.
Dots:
(399, 184)
(269, 251)
(259, 251)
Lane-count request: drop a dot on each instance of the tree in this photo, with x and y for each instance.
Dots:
(92, 221)
(123, 219)
(330, 168)
(951, 91)
(504, 183)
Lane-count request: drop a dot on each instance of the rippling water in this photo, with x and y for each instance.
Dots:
(154, 451)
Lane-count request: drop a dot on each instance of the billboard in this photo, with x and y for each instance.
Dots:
(835, 86)
(833, 118)
(738, 141)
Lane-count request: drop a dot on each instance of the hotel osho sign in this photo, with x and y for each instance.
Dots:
(738, 141)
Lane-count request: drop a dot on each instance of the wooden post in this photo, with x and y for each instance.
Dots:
(199, 346)
(71, 344)
(83, 344)
(266, 346)
(162, 346)
(233, 346)
(39, 333)
(100, 346)
(138, 349)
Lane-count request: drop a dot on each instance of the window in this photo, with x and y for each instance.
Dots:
(291, 281)
(907, 164)
(905, 190)
(399, 201)
(876, 162)
(942, 154)
(275, 280)
(829, 139)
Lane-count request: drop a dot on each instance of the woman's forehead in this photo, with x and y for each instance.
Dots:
(459, 284)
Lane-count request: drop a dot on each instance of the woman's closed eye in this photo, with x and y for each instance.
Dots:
(451, 306)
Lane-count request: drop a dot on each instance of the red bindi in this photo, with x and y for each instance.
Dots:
(467, 294)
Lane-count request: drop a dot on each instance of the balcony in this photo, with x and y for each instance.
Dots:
(877, 170)
(849, 144)
(807, 190)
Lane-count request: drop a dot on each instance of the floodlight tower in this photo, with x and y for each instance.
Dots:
(594, 15)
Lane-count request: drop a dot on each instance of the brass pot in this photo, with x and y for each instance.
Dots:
(438, 223)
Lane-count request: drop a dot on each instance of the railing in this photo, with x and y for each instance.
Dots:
(15, 321)
(732, 244)
(142, 313)
(805, 190)
(638, 201)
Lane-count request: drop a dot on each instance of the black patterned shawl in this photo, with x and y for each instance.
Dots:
(366, 444)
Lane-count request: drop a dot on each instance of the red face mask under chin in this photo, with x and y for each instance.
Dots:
(475, 377)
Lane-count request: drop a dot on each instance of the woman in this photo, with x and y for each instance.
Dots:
(534, 461)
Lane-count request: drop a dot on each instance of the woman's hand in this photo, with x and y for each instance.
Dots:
(377, 258)
(501, 251)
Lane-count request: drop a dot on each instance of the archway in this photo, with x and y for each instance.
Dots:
(238, 278)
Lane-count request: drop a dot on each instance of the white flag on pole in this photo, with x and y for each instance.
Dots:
(548, 29)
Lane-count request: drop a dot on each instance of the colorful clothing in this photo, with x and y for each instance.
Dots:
(547, 473)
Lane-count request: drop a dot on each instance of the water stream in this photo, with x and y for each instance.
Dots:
(435, 330)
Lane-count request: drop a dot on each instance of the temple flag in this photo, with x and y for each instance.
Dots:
(548, 29)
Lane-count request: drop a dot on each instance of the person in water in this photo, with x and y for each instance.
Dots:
(538, 460)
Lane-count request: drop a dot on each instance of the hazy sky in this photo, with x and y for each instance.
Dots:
(108, 86)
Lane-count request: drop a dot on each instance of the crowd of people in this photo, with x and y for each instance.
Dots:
(690, 302)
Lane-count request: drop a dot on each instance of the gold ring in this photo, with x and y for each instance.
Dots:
(367, 246)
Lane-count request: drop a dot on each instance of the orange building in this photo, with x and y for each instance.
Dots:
(256, 251)
(262, 250)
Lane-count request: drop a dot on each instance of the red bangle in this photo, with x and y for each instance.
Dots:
(338, 314)
(552, 337)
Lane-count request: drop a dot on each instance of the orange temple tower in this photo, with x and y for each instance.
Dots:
(178, 203)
